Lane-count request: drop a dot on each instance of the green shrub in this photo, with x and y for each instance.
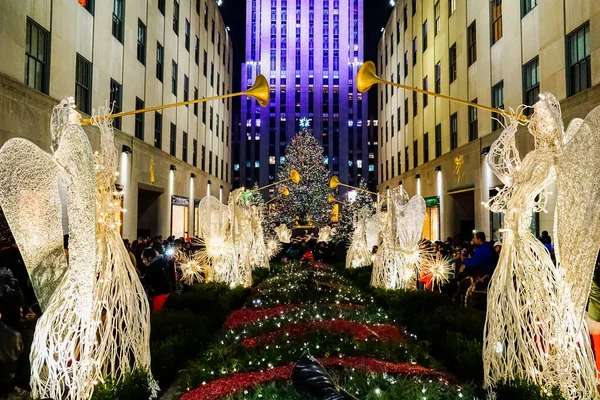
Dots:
(523, 390)
(167, 322)
(134, 386)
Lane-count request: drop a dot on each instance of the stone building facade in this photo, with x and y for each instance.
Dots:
(137, 54)
(496, 53)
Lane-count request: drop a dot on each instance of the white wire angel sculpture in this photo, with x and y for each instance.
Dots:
(531, 332)
(398, 260)
(359, 253)
(283, 233)
(96, 316)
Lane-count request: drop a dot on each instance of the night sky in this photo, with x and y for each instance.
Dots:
(234, 14)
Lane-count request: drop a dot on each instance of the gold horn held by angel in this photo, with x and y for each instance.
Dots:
(366, 77)
(334, 182)
(260, 91)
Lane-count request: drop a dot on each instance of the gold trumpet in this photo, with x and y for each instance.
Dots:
(367, 77)
(335, 182)
(294, 177)
(259, 91)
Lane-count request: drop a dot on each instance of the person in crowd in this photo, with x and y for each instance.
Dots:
(130, 252)
(545, 238)
(155, 277)
(294, 252)
(498, 247)
(307, 254)
(484, 258)
(11, 342)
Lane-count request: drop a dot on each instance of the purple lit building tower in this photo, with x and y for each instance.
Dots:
(310, 51)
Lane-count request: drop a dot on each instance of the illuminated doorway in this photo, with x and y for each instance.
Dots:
(180, 216)
(431, 226)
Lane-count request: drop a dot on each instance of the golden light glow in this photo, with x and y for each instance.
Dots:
(295, 176)
(334, 182)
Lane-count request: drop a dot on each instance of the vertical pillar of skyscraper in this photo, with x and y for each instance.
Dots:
(310, 51)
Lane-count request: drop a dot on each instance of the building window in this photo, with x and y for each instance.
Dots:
(212, 31)
(195, 153)
(531, 83)
(187, 35)
(578, 60)
(212, 74)
(203, 158)
(184, 148)
(406, 158)
(116, 99)
(88, 5)
(210, 118)
(139, 119)
(425, 87)
(527, 5)
(37, 57)
(405, 17)
(196, 104)
(204, 113)
(186, 88)
(174, 77)
(176, 17)
(415, 153)
(451, 6)
(160, 61)
(141, 42)
(393, 166)
(414, 7)
(453, 63)
(198, 7)
(210, 158)
(415, 103)
(161, 6)
(205, 63)
(399, 164)
(117, 19)
(473, 126)
(414, 51)
(497, 102)
(157, 130)
(387, 169)
(472, 43)
(496, 20)
(438, 23)
(405, 64)
(197, 51)
(424, 29)
(453, 131)
(83, 84)
(438, 140)
(205, 19)
(399, 119)
(425, 147)
(406, 111)
(438, 77)
(173, 140)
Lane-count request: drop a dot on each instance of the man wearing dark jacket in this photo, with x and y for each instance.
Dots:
(155, 277)
(484, 259)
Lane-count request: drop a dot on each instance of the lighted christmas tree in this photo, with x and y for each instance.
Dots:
(308, 199)
(350, 210)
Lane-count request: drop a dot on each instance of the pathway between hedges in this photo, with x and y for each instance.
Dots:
(310, 308)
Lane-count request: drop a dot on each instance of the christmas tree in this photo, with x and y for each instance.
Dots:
(350, 210)
(308, 199)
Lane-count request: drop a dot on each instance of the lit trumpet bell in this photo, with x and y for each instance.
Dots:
(330, 199)
(295, 176)
(334, 182)
(285, 191)
(260, 91)
(366, 77)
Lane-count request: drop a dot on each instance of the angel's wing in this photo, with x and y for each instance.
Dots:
(577, 217)
(372, 229)
(213, 216)
(409, 221)
(504, 157)
(29, 178)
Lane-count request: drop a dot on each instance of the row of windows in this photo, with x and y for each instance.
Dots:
(578, 68)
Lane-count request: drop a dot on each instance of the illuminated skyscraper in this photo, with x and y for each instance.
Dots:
(310, 52)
